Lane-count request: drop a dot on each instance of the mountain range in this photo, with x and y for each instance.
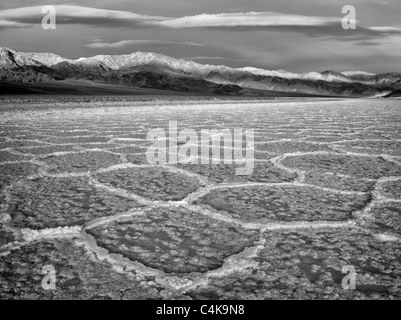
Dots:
(38, 71)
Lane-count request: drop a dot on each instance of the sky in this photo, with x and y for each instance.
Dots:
(293, 35)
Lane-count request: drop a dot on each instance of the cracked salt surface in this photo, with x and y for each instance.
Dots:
(78, 193)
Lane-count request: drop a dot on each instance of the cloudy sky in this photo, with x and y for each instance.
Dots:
(299, 36)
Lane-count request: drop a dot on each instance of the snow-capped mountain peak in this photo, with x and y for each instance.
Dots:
(11, 58)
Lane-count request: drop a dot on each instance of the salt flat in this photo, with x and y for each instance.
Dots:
(78, 193)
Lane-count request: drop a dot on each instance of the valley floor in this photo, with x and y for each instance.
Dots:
(78, 195)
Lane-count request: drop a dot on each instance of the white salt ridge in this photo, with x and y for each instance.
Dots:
(117, 217)
(30, 235)
(387, 238)
(201, 179)
(68, 174)
(123, 193)
(14, 162)
(225, 217)
(119, 263)
(277, 161)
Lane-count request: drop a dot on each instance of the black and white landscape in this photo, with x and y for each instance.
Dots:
(86, 214)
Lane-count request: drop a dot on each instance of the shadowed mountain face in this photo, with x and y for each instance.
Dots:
(395, 94)
(156, 71)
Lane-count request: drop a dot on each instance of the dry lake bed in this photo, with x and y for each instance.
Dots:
(79, 197)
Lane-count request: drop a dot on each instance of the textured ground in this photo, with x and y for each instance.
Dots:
(78, 194)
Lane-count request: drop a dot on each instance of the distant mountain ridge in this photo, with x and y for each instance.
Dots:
(153, 70)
